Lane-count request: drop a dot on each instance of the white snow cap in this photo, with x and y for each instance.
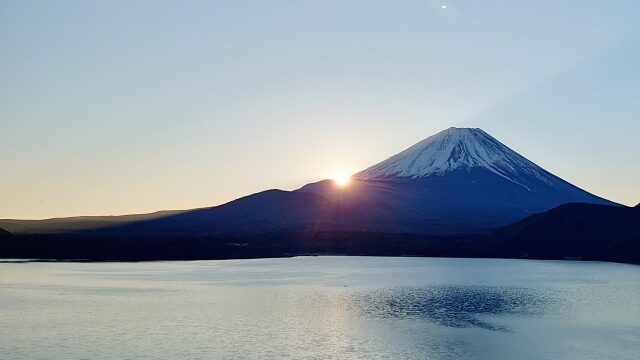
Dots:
(454, 149)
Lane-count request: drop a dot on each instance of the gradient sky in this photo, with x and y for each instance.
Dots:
(114, 107)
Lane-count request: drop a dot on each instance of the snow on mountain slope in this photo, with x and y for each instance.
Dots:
(455, 149)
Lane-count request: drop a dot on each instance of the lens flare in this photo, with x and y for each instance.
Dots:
(342, 179)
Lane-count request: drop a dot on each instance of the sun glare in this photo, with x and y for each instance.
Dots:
(342, 179)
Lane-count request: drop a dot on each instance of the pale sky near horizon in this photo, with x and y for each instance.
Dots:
(116, 107)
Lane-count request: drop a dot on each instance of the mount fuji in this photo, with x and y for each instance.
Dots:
(458, 181)
(461, 149)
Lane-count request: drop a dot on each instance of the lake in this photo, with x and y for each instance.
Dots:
(321, 308)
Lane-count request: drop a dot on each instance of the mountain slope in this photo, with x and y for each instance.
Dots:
(266, 210)
(586, 231)
(78, 223)
(4, 233)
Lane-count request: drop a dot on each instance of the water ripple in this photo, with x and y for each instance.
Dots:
(456, 306)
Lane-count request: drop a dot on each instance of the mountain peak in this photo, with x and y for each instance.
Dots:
(461, 129)
(458, 149)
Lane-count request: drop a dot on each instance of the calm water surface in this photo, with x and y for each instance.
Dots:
(321, 308)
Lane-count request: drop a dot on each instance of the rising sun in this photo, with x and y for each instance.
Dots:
(342, 179)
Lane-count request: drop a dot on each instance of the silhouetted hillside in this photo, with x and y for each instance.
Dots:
(77, 223)
(4, 233)
(584, 231)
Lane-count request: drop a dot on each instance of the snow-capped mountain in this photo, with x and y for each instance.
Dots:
(457, 181)
(454, 149)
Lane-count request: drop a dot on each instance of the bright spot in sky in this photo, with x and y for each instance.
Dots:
(342, 179)
(444, 6)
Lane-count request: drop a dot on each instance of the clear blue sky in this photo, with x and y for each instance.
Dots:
(113, 107)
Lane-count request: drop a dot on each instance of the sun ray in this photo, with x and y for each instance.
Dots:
(342, 179)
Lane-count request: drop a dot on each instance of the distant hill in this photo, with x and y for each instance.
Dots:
(582, 231)
(4, 233)
(78, 223)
